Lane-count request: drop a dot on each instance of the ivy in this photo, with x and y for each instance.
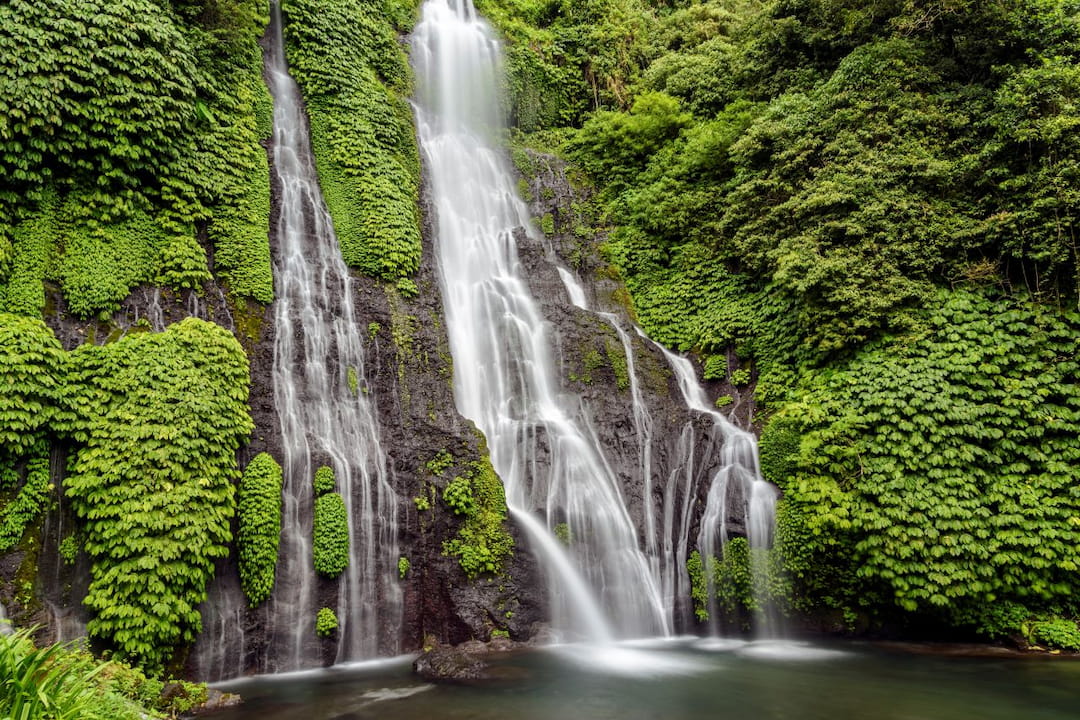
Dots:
(326, 623)
(330, 546)
(324, 480)
(30, 501)
(32, 365)
(259, 529)
(355, 78)
(939, 469)
(95, 88)
(109, 189)
(482, 543)
(32, 244)
(158, 418)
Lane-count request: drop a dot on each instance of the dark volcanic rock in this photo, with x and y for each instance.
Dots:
(468, 663)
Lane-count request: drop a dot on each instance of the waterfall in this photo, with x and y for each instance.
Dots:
(324, 420)
(739, 475)
(505, 378)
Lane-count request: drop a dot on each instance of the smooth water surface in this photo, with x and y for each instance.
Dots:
(728, 680)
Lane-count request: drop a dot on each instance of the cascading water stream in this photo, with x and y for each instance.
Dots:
(324, 418)
(739, 474)
(505, 379)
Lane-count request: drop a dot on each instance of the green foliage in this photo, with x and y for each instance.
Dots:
(458, 496)
(69, 549)
(326, 623)
(699, 584)
(117, 179)
(241, 223)
(617, 146)
(57, 682)
(564, 58)
(942, 465)
(30, 501)
(21, 278)
(32, 375)
(324, 480)
(482, 543)
(330, 546)
(716, 367)
(158, 418)
(182, 264)
(352, 379)
(102, 262)
(778, 449)
(562, 533)
(354, 76)
(439, 464)
(67, 682)
(403, 567)
(1056, 633)
(740, 377)
(724, 400)
(830, 189)
(259, 529)
(616, 358)
(53, 128)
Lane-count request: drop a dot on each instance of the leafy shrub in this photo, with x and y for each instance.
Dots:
(324, 480)
(158, 418)
(20, 512)
(482, 542)
(403, 567)
(259, 529)
(942, 465)
(326, 623)
(1056, 633)
(64, 681)
(330, 546)
(32, 375)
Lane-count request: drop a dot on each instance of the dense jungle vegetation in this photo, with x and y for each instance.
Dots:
(877, 206)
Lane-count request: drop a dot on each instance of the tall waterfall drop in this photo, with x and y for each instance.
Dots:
(325, 419)
(505, 376)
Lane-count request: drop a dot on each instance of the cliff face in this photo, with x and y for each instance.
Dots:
(409, 375)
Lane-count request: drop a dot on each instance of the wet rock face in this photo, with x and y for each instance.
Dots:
(411, 374)
(682, 450)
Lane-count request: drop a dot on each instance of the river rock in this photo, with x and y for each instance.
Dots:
(469, 662)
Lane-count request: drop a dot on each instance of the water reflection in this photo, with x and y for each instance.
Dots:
(691, 680)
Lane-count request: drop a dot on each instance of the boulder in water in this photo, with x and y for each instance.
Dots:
(468, 663)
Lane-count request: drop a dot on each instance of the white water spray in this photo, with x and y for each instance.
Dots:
(738, 475)
(324, 418)
(505, 378)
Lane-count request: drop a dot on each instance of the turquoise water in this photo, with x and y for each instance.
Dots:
(686, 680)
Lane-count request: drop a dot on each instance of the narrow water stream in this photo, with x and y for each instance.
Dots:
(326, 419)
